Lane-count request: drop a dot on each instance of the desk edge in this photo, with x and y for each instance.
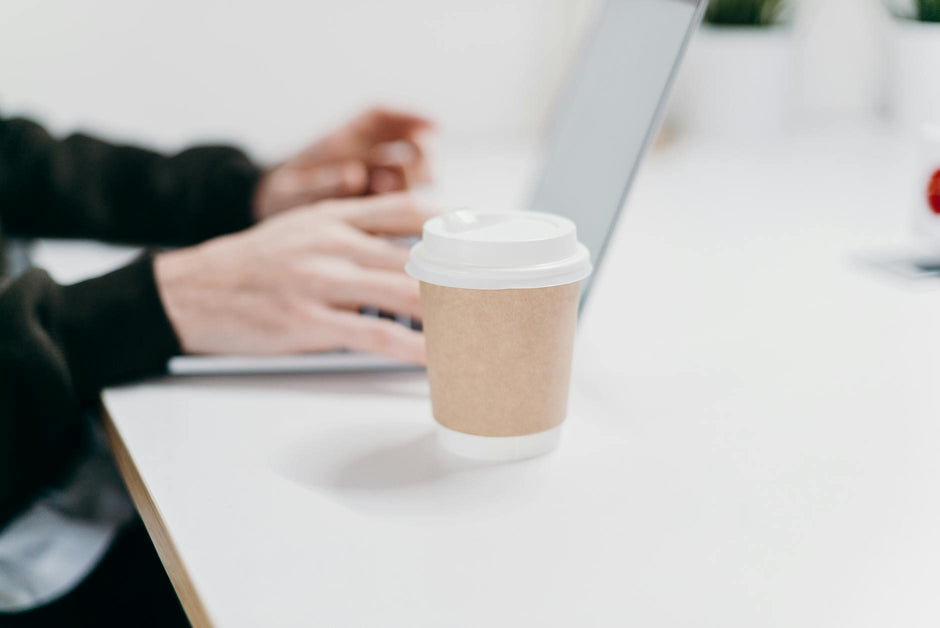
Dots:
(155, 525)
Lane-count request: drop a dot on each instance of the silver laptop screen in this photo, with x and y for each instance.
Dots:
(610, 111)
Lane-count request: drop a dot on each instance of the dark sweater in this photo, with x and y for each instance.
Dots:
(59, 345)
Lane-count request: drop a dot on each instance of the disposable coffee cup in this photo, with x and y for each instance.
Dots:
(499, 302)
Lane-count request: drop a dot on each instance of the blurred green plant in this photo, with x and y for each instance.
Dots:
(920, 10)
(749, 12)
(928, 10)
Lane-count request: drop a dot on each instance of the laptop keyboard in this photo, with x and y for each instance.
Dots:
(407, 321)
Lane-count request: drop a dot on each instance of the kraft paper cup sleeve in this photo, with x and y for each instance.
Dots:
(499, 295)
(499, 361)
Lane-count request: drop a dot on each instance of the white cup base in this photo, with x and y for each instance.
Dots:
(498, 448)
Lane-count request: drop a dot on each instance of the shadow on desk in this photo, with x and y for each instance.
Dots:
(400, 469)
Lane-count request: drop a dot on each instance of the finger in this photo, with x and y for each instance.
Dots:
(392, 291)
(387, 123)
(376, 252)
(376, 335)
(286, 187)
(397, 165)
(396, 153)
(331, 180)
(387, 214)
(386, 179)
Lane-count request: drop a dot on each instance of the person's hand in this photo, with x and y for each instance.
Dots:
(295, 283)
(381, 150)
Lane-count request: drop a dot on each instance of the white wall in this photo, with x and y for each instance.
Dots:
(271, 74)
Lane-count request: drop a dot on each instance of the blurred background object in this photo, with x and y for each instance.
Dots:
(743, 12)
(925, 188)
(914, 76)
(739, 77)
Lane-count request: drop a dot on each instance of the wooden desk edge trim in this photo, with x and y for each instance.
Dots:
(156, 527)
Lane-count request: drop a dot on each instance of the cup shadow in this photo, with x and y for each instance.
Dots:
(401, 471)
(417, 461)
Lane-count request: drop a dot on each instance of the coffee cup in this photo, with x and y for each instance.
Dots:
(499, 301)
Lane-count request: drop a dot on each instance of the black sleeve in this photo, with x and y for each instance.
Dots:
(83, 187)
(59, 345)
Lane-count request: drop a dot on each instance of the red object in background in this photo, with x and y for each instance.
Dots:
(933, 192)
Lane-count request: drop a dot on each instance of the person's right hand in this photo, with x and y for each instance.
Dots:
(294, 283)
(379, 151)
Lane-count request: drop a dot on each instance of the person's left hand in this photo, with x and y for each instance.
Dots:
(381, 150)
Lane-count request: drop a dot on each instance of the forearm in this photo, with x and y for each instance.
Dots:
(85, 187)
(58, 347)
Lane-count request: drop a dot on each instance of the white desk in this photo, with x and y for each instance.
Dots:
(754, 438)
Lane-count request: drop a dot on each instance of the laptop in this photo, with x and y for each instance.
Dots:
(608, 114)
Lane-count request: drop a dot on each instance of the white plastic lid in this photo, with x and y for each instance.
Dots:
(499, 250)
